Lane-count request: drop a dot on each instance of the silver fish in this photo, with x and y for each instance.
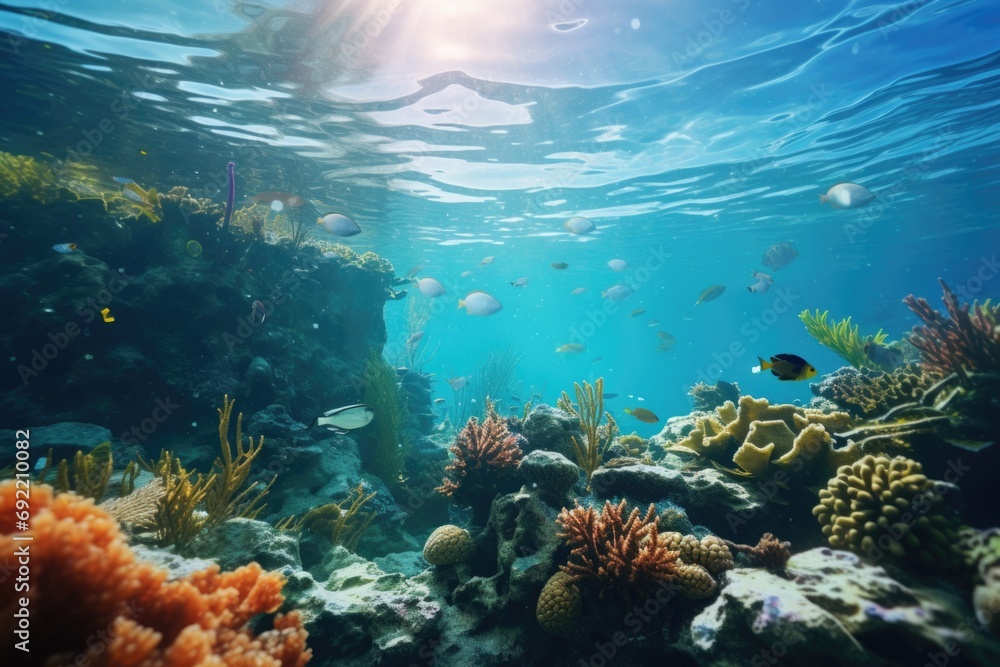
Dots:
(347, 418)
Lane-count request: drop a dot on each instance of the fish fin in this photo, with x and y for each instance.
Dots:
(461, 303)
(764, 365)
(336, 430)
(822, 199)
(750, 289)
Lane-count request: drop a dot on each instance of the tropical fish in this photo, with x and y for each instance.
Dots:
(763, 283)
(653, 323)
(480, 303)
(258, 312)
(888, 358)
(458, 382)
(64, 247)
(618, 264)
(579, 225)
(466, 274)
(414, 339)
(666, 341)
(570, 348)
(608, 397)
(521, 282)
(779, 255)
(711, 293)
(339, 225)
(430, 287)
(786, 367)
(643, 415)
(847, 195)
(106, 315)
(578, 291)
(347, 418)
(637, 312)
(596, 360)
(560, 265)
(487, 260)
(617, 292)
(286, 198)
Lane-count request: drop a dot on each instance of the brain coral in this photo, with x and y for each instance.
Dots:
(880, 506)
(448, 545)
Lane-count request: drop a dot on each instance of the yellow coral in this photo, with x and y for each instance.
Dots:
(881, 506)
(589, 410)
(448, 545)
(559, 605)
(695, 581)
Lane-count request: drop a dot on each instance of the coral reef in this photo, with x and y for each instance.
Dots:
(869, 393)
(769, 552)
(485, 458)
(710, 396)
(589, 410)
(841, 337)
(559, 605)
(709, 552)
(621, 554)
(86, 580)
(962, 342)
(756, 435)
(887, 507)
(139, 507)
(448, 545)
(552, 430)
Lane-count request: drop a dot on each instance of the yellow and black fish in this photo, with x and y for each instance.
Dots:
(787, 367)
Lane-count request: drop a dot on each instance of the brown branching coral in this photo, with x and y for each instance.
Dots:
(621, 554)
(93, 602)
(963, 341)
(770, 552)
(485, 463)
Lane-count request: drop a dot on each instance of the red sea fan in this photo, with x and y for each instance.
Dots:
(623, 555)
(961, 342)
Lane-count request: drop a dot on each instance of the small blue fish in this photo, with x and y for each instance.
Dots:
(64, 247)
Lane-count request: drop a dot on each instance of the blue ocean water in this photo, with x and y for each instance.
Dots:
(695, 135)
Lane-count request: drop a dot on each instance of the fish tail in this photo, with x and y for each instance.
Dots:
(822, 199)
(751, 289)
(764, 365)
(461, 303)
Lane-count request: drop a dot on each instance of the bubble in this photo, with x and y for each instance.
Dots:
(194, 424)
(277, 206)
(635, 24)
(193, 248)
(315, 326)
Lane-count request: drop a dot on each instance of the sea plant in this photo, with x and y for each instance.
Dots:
(589, 410)
(387, 456)
(87, 476)
(24, 176)
(841, 337)
(337, 523)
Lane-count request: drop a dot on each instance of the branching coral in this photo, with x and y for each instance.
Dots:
(770, 552)
(484, 463)
(589, 410)
(88, 476)
(92, 602)
(340, 525)
(960, 343)
(841, 337)
(619, 553)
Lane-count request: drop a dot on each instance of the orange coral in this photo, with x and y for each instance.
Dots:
(623, 555)
(485, 463)
(90, 598)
